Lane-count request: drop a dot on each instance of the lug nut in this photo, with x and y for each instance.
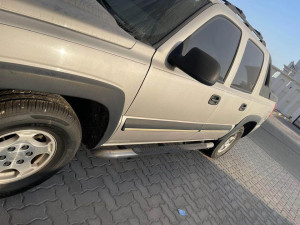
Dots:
(11, 149)
(2, 157)
(24, 147)
(29, 153)
(20, 161)
(7, 163)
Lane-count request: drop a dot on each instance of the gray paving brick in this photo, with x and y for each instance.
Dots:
(154, 189)
(140, 200)
(4, 216)
(113, 188)
(122, 214)
(55, 213)
(140, 214)
(96, 171)
(131, 165)
(180, 202)
(92, 183)
(108, 199)
(52, 182)
(67, 200)
(79, 170)
(44, 222)
(124, 199)
(86, 198)
(127, 186)
(143, 189)
(103, 214)
(28, 214)
(95, 221)
(154, 214)
(80, 214)
(168, 213)
(154, 201)
(13, 202)
(39, 196)
(73, 184)
(134, 221)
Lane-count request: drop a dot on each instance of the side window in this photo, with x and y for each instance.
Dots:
(220, 39)
(249, 69)
(265, 90)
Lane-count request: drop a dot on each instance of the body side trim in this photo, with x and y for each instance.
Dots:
(163, 125)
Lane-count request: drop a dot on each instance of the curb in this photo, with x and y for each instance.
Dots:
(282, 116)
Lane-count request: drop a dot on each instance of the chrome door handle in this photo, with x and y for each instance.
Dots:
(243, 107)
(214, 100)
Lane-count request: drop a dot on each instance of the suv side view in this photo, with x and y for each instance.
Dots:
(188, 74)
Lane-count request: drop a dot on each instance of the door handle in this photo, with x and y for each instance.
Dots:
(214, 100)
(243, 107)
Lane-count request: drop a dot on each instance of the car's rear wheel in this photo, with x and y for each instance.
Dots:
(224, 145)
(39, 134)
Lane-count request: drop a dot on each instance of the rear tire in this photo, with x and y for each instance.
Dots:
(224, 145)
(39, 134)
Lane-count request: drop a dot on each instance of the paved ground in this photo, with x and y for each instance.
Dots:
(246, 186)
(281, 140)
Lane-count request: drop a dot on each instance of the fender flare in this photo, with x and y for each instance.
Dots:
(247, 119)
(16, 76)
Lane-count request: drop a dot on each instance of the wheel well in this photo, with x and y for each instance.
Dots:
(93, 118)
(249, 127)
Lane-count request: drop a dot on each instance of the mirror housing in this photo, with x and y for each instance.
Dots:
(196, 63)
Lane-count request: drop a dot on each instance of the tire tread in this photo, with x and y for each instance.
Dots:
(20, 102)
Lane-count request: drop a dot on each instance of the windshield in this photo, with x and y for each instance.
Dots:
(151, 20)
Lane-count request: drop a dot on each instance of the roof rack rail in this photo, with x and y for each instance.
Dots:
(240, 13)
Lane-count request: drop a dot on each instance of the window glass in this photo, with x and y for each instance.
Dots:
(249, 68)
(220, 39)
(265, 90)
(151, 20)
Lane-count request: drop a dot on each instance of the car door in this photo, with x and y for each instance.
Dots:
(175, 96)
(171, 105)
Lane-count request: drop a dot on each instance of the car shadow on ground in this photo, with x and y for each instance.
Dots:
(141, 190)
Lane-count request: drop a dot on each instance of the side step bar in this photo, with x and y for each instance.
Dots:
(115, 152)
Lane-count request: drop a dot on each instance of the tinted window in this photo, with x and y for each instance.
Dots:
(219, 38)
(249, 69)
(265, 89)
(151, 20)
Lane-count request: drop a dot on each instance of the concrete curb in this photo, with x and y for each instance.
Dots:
(282, 116)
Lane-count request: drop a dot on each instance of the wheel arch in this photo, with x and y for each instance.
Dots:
(249, 123)
(72, 87)
(249, 126)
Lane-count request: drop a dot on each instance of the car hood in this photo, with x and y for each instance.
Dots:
(84, 16)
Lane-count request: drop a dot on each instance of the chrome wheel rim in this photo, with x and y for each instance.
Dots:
(23, 153)
(227, 144)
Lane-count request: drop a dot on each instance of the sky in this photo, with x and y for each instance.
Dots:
(279, 23)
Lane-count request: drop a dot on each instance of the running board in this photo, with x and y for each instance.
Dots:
(115, 152)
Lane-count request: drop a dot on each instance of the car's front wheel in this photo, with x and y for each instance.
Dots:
(39, 134)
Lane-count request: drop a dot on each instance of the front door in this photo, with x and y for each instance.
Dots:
(171, 105)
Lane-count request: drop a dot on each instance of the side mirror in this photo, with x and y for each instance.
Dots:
(196, 63)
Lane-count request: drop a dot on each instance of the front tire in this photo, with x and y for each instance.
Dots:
(224, 145)
(39, 134)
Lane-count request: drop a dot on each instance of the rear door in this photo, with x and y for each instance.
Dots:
(237, 96)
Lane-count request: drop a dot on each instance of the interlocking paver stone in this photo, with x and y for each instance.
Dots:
(245, 186)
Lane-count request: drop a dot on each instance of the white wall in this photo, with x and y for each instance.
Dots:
(287, 88)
